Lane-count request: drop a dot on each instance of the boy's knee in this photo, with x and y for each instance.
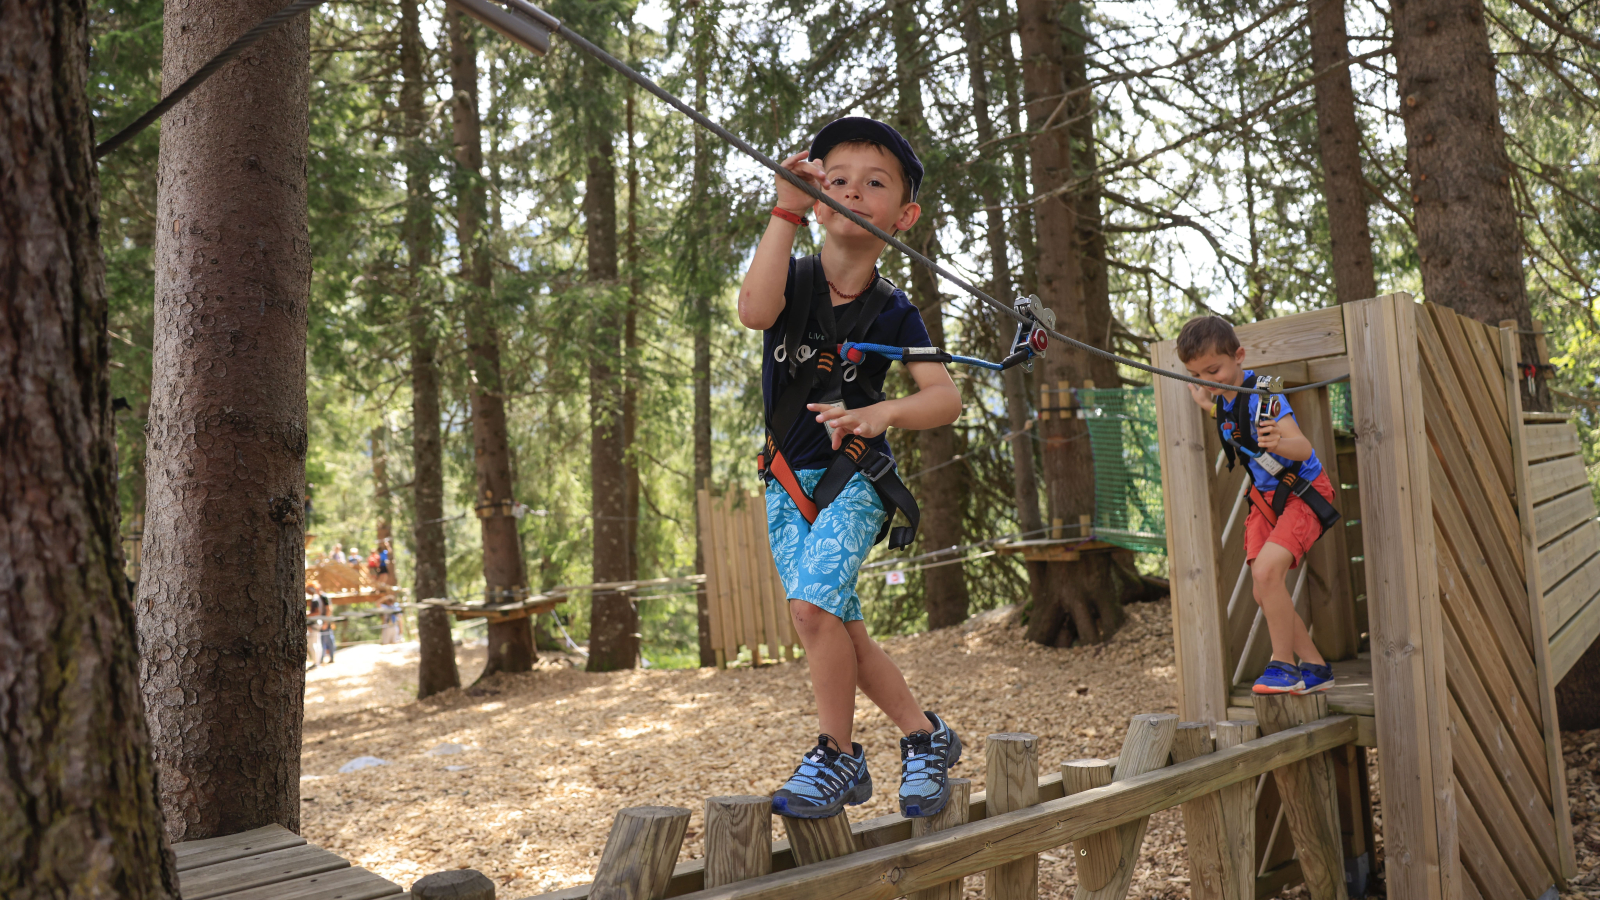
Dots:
(1266, 576)
(809, 619)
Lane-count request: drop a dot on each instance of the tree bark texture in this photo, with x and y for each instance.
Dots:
(504, 576)
(613, 621)
(942, 489)
(700, 324)
(436, 667)
(79, 811)
(630, 349)
(221, 597)
(1339, 146)
(1068, 461)
(1469, 242)
(377, 442)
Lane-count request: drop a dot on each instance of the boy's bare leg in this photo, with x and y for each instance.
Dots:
(1289, 635)
(880, 679)
(831, 658)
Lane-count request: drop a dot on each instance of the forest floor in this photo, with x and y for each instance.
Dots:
(546, 758)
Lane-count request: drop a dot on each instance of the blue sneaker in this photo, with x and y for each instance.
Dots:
(1279, 678)
(926, 758)
(825, 782)
(1316, 678)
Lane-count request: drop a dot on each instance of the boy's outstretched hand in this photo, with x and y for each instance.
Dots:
(1201, 396)
(792, 198)
(868, 421)
(1268, 436)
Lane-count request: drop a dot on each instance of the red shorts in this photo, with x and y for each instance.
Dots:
(1297, 529)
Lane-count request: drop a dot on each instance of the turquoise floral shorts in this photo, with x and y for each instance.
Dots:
(818, 562)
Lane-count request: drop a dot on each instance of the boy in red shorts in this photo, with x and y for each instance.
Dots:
(1290, 496)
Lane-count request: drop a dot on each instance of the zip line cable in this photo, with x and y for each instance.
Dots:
(523, 23)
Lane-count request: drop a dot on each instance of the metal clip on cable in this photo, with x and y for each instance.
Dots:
(1031, 340)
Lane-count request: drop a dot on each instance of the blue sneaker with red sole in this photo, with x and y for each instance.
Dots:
(1316, 678)
(1279, 678)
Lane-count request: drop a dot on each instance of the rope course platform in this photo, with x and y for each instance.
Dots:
(272, 863)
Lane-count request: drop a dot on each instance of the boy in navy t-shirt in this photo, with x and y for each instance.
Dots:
(869, 168)
(1274, 542)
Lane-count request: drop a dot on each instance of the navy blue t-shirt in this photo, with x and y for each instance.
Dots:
(898, 325)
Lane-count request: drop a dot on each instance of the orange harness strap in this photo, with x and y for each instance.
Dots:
(778, 467)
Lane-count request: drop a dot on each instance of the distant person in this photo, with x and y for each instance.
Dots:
(372, 564)
(338, 553)
(391, 621)
(831, 484)
(1261, 431)
(319, 626)
(385, 550)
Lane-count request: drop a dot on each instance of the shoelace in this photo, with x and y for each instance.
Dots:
(917, 754)
(816, 765)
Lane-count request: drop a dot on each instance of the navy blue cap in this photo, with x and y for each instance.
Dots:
(861, 128)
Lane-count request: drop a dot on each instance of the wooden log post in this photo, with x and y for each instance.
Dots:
(1096, 855)
(819, 840)
(1147, 746)
(954, 813)
(1310, 796)
(738, 839)
(1012, 775)
(1239, 813)
(458, 884)
(640, 853)
(1212, 875)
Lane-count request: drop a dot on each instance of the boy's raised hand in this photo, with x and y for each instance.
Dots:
(1268, 436)
(792, 198)
(1201, 396)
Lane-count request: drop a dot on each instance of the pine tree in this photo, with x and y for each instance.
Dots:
(1339, 147)
(79, 812)
(221, 598)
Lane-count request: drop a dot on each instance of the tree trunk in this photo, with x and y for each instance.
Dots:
(630, 348)
(943, 488)
(79, 812)
(436, 668)
(221, 598)
(1068, 463)
(700, 325)
(1469, 242)
(1014, 380)
(1093, 571)
(504, 576)
(613, 621)
(380, 482)
(1339, 146)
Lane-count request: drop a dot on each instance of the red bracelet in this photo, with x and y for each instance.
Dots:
(788, 216)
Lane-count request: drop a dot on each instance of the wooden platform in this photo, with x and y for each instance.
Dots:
(272, 863)
(1351, 693)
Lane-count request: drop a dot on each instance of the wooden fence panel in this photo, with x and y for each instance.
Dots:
(745, 597)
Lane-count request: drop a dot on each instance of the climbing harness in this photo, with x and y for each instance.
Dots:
(531, 27)
(817, 374)
(1237, 430)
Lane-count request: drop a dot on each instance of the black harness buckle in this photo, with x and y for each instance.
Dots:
(877, 465)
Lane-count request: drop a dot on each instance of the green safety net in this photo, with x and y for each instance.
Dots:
(1127, 467)
(1128, 510)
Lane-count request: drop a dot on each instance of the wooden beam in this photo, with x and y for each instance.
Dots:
(271, 867)
(895, 870)
(1328, 596)
(1310, 796)
(1407, 640)
(1550, 671)
(210, 851)
(1212, 875)
(1308, 335)
(953, 814)
(637, 861)
(1239, 812)
(738, 838)
(1197, 609)
(1095, 857)
(1012, 778)
(1146, 747)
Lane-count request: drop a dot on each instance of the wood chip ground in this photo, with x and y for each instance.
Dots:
(549, 756)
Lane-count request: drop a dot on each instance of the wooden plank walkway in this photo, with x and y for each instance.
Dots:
(272, 863)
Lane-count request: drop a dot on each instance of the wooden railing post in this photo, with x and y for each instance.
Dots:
(819, 840)
(456, 884)
(1147, 746)
(1310, 796)
(1211, 866)
(954, 813)
(1096, 855)
(738, 839)
(1013, 783)
(640, 853)
(1239, 813)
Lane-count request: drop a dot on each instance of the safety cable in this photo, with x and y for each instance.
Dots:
(206, 71)
(556, 26)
